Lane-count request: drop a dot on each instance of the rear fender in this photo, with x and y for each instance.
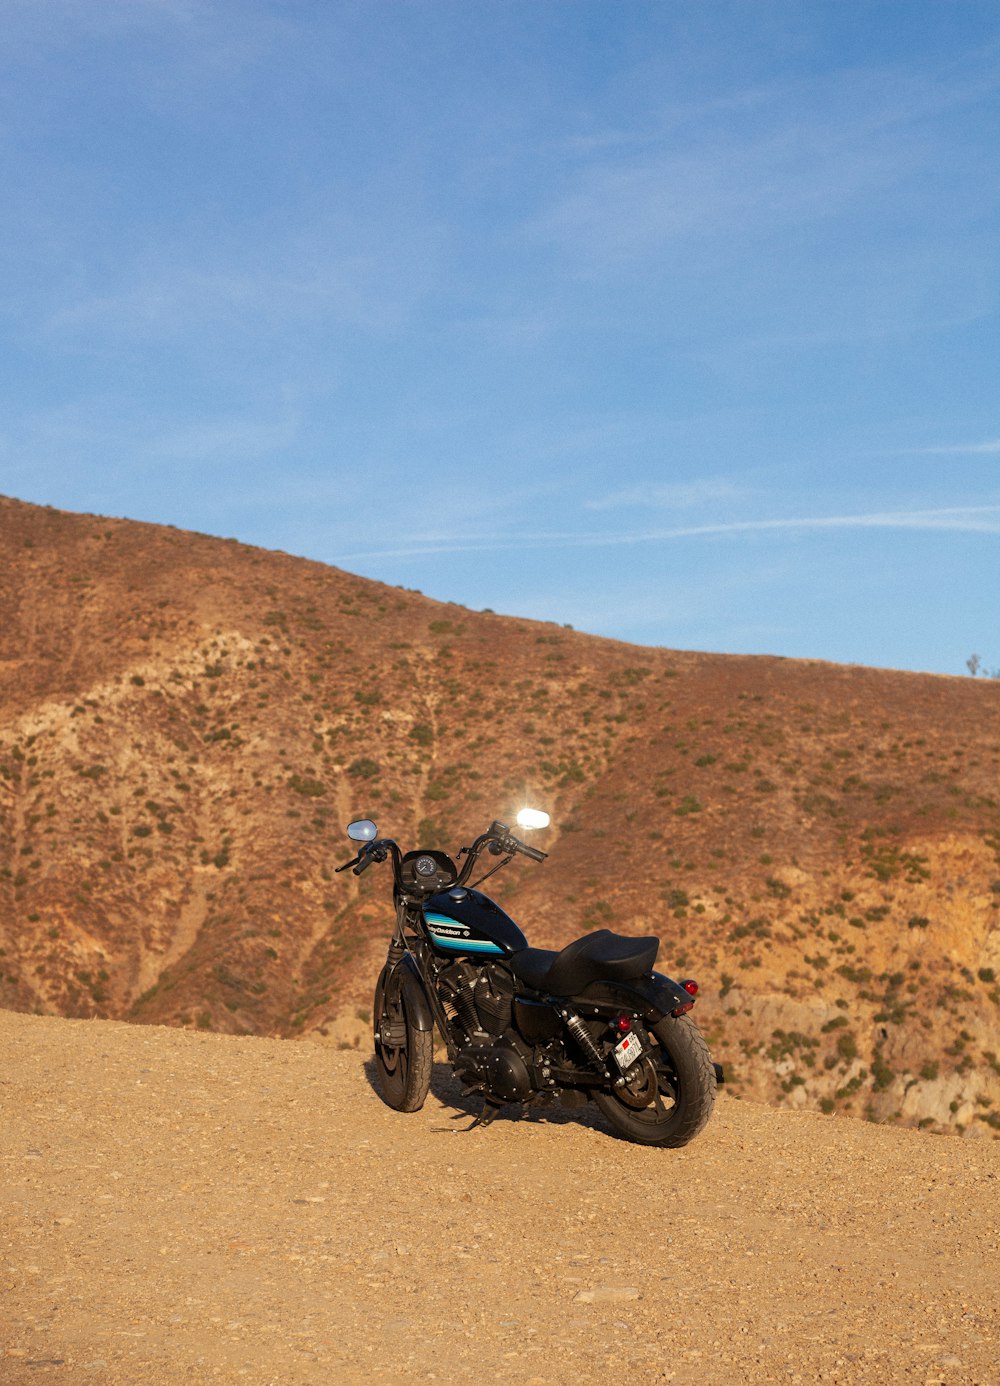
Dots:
(653, 996)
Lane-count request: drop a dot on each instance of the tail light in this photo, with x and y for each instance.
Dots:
(691, 987)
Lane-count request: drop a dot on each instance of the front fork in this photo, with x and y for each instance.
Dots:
(418, 988)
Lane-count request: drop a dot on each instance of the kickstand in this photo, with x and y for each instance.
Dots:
(489, 1112)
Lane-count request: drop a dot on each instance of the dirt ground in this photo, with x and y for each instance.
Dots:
(181, 1207)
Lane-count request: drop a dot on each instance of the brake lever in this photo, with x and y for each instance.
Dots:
(347, 865)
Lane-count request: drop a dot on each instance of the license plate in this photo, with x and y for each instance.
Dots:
(627, 1051)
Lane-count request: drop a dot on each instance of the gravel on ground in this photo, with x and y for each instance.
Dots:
(185, 1207)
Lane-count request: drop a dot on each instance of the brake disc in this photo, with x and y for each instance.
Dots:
(639, 1087)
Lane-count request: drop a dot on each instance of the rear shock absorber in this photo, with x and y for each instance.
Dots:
(583, 1037)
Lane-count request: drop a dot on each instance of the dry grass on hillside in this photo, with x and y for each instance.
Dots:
(187, 723)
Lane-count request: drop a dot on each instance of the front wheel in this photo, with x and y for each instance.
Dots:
(404, 1055)
(670, 1100)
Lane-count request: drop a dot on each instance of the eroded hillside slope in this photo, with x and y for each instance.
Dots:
(186, 723)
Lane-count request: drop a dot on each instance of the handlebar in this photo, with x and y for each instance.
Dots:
(497, 838)
(371, 851)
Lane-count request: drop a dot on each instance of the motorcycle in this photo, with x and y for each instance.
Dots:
(528, 1025)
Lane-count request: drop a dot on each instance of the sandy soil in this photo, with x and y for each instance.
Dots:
(181, 1207)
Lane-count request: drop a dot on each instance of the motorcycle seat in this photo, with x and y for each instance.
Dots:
(600, 956)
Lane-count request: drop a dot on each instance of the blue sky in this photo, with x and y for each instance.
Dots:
(674, 321)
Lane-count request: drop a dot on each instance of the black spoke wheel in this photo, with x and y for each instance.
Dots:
(404, 1055)
(670, 1097)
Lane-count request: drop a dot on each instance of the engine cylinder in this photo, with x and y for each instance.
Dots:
(494, 994)
(458, 987)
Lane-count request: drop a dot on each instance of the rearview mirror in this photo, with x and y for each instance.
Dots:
(362, 830)
(532, 818)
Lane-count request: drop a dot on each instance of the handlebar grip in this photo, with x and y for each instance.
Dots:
(531, 852)
(363, 864)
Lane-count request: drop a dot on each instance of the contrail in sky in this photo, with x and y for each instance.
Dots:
(983, 519)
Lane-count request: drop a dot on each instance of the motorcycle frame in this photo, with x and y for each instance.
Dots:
(648, 998)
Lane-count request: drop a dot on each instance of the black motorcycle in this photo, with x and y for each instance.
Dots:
(527, 1025)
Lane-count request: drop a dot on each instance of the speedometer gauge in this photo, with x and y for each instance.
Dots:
(425, 866)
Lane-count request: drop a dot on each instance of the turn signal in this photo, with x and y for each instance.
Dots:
(623, 1024)
(690, 986)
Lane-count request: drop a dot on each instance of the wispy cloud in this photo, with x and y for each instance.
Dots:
(51, 438)
(824, 186)
(679, 495)
(988, 449)
(235, 440)
(307, 278)
(857, 134)
(984, 519)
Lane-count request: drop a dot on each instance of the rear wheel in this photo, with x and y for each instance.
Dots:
(404, 1055)
(671, 1095)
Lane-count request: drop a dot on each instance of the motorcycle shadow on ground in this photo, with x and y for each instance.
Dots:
(466, 1107)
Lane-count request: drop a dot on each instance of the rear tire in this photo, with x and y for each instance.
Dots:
(404, 1055)
(685, 1089)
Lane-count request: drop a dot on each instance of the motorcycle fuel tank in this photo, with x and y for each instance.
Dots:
(465, 921)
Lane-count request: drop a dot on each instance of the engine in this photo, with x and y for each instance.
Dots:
(457, 989)
(478, 998)
(493, 996)
(494, 1059)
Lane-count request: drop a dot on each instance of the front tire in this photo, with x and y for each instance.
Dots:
(683, 1090)
(404, 1055)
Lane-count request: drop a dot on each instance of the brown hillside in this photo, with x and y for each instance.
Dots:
(186, 724)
